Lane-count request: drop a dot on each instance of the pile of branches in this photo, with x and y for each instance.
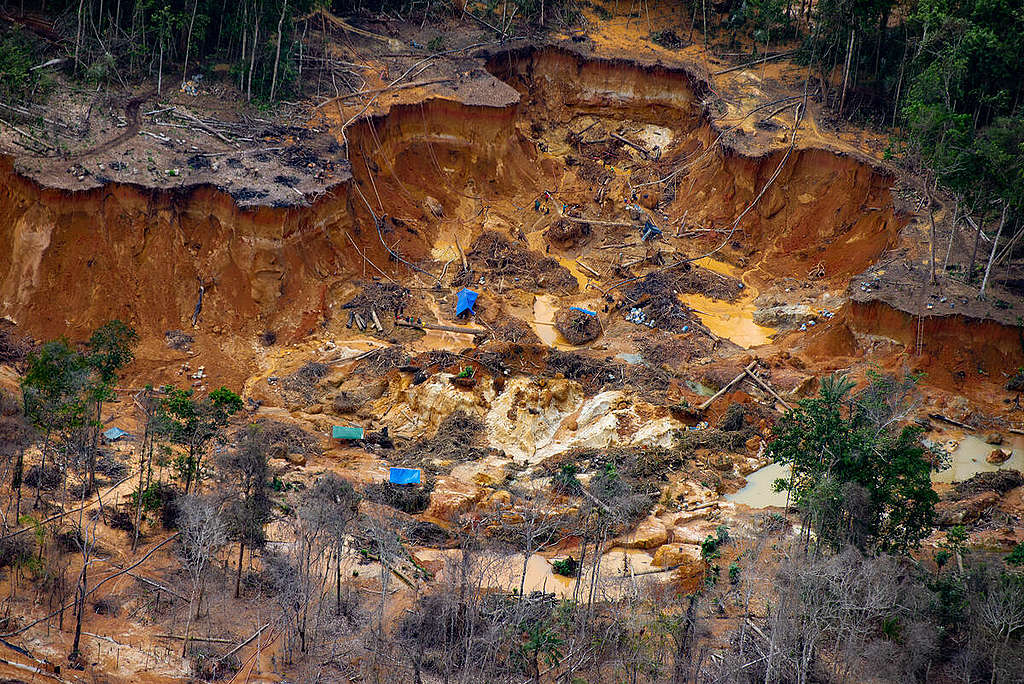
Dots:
(656, 294)
(179, 340)
(636, 463)
(583, 369)
(600, 374)
(410, 499)
(515, 331)
(306, 379)
(998, 481)
(459, 438)
(13, 349)
(497, 256)
(577, 326)
(716, 439)
(567, 233)
(380, 296)
(245, 129)
(690, 279)
(296, 439)
(372, 298)
(382, 361)
(665, 350)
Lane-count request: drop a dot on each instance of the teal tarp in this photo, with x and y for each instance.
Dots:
(404, 476)
(114, 434)
(344, 432)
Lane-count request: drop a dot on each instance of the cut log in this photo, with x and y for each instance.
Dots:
(588, 269)
(462, 255)
(211, 640)
(756, 61)
(445, 328)
(947, 419)
(725, 389)
(639, 148)
(766, 387)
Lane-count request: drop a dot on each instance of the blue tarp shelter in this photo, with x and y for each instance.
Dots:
(586, 311)
(649, 231)
(404, 476)
(345, 432)
(464, 301)
(114, 434)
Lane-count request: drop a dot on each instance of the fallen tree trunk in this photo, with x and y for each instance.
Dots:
(756, 61)
(725, 389)
(766, 387)
(642, 150)
(445, 328)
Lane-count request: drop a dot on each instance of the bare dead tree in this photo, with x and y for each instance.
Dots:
(992, 254)
(530, 523)
(84, 534)
(203, 534)
(245, 469)
(15, 437)
(149, 407)
(1001, 615)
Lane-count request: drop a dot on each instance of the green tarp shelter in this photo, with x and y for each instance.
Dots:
(345, 432)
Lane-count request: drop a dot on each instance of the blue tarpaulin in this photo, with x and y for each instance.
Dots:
(343, 432)
(464, 301)
(649, 231)
(404, 476)
(586, 311)
(114, 434)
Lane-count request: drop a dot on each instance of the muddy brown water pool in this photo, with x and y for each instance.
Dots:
(620, 570)
(969, 458)
(758, 492)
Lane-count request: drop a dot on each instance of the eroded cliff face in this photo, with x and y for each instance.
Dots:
(77, 259)
(450, 152)
(440, 168)
(961, 354)
(821, 206)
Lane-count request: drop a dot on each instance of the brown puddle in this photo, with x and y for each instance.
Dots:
(758, 492)
(543, 323)
(732, 320)
(969, 458)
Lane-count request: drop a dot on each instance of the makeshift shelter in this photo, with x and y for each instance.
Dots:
(464, 301)
(404, 476)
(345, 432)
(114, 434)
(649, 231)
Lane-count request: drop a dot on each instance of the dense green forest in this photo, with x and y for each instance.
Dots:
(122, 41)
(944, 76)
